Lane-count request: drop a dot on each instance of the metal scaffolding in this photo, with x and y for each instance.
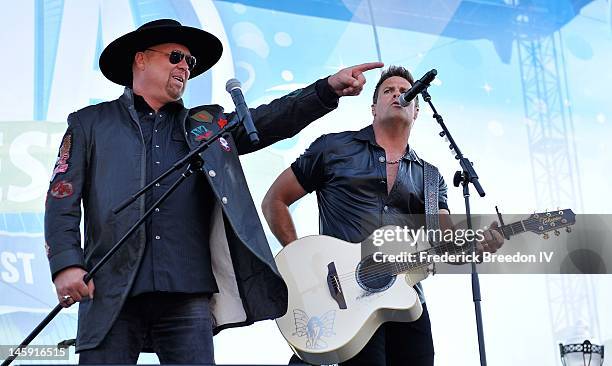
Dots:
(554, 164)
(549, 122)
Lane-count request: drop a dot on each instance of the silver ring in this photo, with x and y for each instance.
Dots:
(66, 297)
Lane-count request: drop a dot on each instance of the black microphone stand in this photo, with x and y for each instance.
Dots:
(193, 163)
(464, 177)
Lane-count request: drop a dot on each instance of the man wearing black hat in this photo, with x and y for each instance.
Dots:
(201, 263)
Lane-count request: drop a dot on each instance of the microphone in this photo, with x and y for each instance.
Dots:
(233, 87)
(420, 85)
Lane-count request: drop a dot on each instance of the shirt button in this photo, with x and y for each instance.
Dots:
(156, 209)
(157, 162)
(386, 208)
(160, 116)
(150, 113)
(224, 200)
(383, 182)
(154, 130)
(212, 173)
(381, 159)
(157, 237)
(157, 146)
(156, 184)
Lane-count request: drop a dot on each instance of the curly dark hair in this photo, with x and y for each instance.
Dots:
(394, 71)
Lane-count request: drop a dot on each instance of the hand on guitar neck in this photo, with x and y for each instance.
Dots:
(493, 238)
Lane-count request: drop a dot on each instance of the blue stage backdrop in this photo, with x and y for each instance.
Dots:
(523, 85)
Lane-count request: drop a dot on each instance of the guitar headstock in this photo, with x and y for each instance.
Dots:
(544, 222)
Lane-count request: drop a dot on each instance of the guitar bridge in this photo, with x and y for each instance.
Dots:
(335, 288)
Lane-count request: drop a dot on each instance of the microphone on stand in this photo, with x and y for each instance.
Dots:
(233, 87)
(420, 85)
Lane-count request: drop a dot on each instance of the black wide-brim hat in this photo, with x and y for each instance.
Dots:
(117, 58)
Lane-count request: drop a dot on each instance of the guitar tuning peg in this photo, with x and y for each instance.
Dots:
(568, 229)
(546, 236)
(557, 233)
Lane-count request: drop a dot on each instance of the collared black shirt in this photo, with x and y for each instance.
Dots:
(348, 172)
(177, 251)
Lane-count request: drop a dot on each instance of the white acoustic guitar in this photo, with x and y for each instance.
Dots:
(337, 299)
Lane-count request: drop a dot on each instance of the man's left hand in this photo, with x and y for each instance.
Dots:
(493, 240)
(350, 81)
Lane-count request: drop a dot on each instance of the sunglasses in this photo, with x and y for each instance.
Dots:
(177, 56)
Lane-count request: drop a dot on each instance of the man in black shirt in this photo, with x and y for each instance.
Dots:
(201, 263)
(365, 180)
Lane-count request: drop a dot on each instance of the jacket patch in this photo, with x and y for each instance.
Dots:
(224, 144)
(61, 189)
(222, 122)
(205, 136)
(61, 165)
(202, 116)
(200, 133)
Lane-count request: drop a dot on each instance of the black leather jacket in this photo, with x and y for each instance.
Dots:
(105, 162)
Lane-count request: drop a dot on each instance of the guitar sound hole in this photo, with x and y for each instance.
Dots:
(374, 277)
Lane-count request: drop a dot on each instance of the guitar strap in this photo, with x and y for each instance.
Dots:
(431, 178)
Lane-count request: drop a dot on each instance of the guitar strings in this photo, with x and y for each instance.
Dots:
(377, 270)
(351, 274)
(374, 271)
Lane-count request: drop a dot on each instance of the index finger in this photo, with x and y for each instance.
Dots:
(368, 66)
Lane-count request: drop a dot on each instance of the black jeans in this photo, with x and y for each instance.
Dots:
(178, 327)
(395, 344)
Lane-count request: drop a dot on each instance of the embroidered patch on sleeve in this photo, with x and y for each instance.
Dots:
(222, 122)
(61, 165)
(205, 136)
(61, 189)
(202, 116)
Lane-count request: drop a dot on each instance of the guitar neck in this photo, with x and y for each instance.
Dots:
(538, 223)
(507, 231)
(514, 228)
